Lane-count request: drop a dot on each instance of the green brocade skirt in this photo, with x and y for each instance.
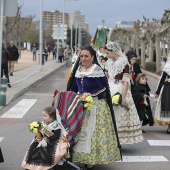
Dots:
(104, 147)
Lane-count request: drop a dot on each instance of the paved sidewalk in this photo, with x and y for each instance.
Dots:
(27, 74)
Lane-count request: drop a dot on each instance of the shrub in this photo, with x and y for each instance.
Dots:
(150, 66)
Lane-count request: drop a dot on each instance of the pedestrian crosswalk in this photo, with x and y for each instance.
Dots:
(20, 109)
(23, 106)
(144, 159)
(159, 142)
(1, 138)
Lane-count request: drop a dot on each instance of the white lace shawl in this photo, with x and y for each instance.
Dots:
(87, 130)
(53, 125)
(95, 71)
(166, 69)
(115, 68)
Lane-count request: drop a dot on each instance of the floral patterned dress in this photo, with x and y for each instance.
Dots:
(98, 142)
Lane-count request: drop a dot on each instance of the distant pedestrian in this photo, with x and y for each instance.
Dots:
(45, 54)
(4, 64)
(34, 51)
(14, 55)
(67, 56)
(55, 53)
(49, 50)
(60, 53)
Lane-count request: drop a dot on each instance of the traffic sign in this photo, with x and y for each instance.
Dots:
(44, 26)
(10, 8)
(58, 33)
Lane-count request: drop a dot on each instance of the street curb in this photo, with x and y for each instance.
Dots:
(31, 82)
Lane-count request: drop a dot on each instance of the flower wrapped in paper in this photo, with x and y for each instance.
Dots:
(117, 100)
(88, 102)
(35, 127)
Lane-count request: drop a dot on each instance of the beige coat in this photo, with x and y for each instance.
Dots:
(67, 53)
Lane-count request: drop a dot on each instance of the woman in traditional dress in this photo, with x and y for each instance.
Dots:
(98, 142)
(162, 112)
(127, 119)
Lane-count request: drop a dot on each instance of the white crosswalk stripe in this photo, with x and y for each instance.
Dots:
(20, 109)
(159, 142)
(144, 159)
(1, 138)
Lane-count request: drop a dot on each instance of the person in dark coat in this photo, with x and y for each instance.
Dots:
(4, 64)
(162, 111)
(1, 156)
(134, 67)
(141, 99)
(60, 53)
(14, 55)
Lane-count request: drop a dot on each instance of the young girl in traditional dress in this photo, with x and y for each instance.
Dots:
(127, 120)
(162, 112)
(46, 150)
(141, 99)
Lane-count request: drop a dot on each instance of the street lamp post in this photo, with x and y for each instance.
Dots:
(77, 25)
(76, 33)
(64, 18)
(1, 28)
(79, 33)
(41, 36)
(71, 26)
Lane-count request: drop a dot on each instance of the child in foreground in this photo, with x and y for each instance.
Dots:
(46, 150)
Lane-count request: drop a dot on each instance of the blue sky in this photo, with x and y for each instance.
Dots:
(96, 10)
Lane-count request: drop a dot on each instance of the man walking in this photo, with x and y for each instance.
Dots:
(14, 55)
(34, 51)
(60, 53)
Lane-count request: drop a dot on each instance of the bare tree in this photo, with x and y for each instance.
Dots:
(9, 24)
(20, 28)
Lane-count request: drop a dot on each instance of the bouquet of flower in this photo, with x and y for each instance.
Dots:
(88, 102)
(35, 127)
(117, 100)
